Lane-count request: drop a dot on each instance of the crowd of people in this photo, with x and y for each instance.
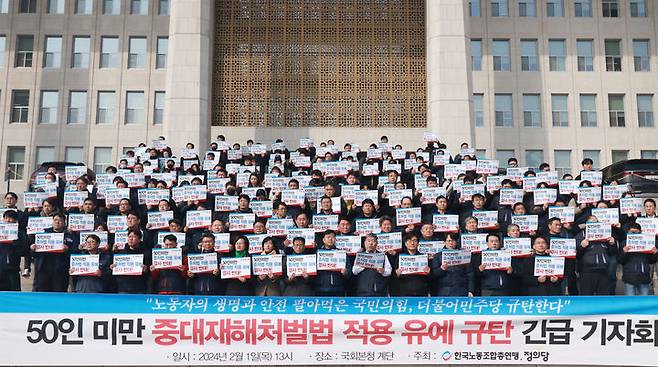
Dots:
(324, 221)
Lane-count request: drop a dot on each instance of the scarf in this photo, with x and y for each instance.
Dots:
(243, 253)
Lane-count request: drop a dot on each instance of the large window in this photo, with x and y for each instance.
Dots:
(582, 8)
(105, 107)
(15, 163)
(77, 107)
(503, 155)
(27, 6)
(84, 6)
(501, 58)
(557, 52)
(48, 109)
(4, 6)
(161, 53)
(529, 55)
(474, 8)
(55, 7)
(20, 105)
(74, 155)
(595, 156)
(139, 7)
(137, 53)
(616, 110)
(619, 155)
(610, 8)
(649, 154)
(102, 158)
(499, 8)
(476, 54)
(478, 109)
(527, 8)
(562, 162)
(44, 154)
(588, 110)
(24, 51)
(585, 50)
(641, 58)
(645, 110)
(560, 110)
(80, 57)
(111, 7)
(3, 47)
(52, 54)
(134, 107)
(109, 52)
(504, 115)
(534, 158)
(638, 8)
(554, 8)
(163, 7)
(612, 55)
(158, 108)
(531, 110)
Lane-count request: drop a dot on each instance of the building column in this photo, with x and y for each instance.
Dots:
(189, 73)
(449, 87)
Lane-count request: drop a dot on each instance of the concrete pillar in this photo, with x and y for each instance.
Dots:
(449, 87)
(189, 73)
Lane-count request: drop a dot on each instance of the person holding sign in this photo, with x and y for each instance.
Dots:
(96, 282)
(494, 282)
(301, 285)
(371, 281)
(135, 284)
(11, 252)
(169, 280)
(411, 276)
(269, 284)
(206, 283)
(52, 267)
(593, 262)
(558, 230)
(453, 279)
(332, 283)
(241, 285)
(543, 285)
(636, 265)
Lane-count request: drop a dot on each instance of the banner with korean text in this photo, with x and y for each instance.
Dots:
(77, 329)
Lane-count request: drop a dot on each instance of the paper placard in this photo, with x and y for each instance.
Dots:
(117, 223)
(648, 225)
(412, 264)
(159, 220)
(243, 222)
(235, 267)
(495, 183)
(267, 264)
(180, 238)
(297, 265)
(114, 195)
(134, 180)
(614, 192)
(72, 173)
(407, 216)
(361, 195)
(529, 183)
(75, 198)
(487, 166)
(430, 247)
(452, 171)
(641, 242)
(103, 236)
(167, 258)
(262, 209)
(348, 192)
(548, 177)
(446, 223)
(81, 222)
(487, 219)
(307, 233)
(202, 263)
(120, 239)
(568, 187)
(563, 247)
(631, 205)
(293, 197)
(217, 185)
(84, 264)
(189, 193)
(566, 214)
(226, 203)
(154, 196)
(331, 260)
(34, 199)
(368, 260)
(198, 219)
(549, 266)
(8, 232)
(395, 196)
(544, 196)
(518, 246)
(597, 231)
(516, 173)
(595, 177)
(367, 226)
(511, 196)
(279, 226)
(496, 259)
(455, 257)
(526, 223)
(128, 264)
(256, 242)
(38, 224)
(349, 244)
(474, 242)
(322, 223)
(606, 215)
(467, 191)
(588, 195)
(389, 241)
(429, 194)
(49, 242)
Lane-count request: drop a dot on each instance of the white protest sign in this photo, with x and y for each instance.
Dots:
(267, 264)
(167, 258)
(641, 242)
(511, 196)
(81, 222)
(226, 203)
(242, 222)
(412, 264)
(563, 247)
(487, 219)
(430, 247)
(597, 231)
(588, 195)
(331, 260)
(455, 257)
(84, 264)
(349, 244)
(369, 260)
(159, 220)
(198, 219)
(407, 216)
(566, 214)
(526, 223)
(549, 266)
(308, 234)
(297, 265)
(544, 196)
(38, 224)
(389, 241)
(222, 242)
(474, 242)
(497, 259)
(279, 226)
(202, 263)
(235, 267)
(606, 215)
(631, 205)
(519, 246)
(8, 232)
(367, 226)
(322, 223)
(49, 242)
(446, 223)
(128, 264)
(75, 198)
